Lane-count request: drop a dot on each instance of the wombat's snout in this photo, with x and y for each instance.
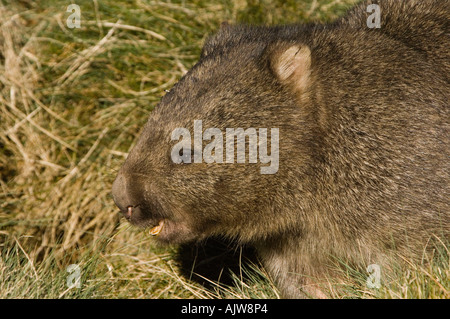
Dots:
(122, 197)
(126, 191)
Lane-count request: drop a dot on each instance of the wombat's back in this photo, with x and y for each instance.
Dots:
(423, 25)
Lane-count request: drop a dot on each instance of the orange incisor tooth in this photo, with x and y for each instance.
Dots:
(157, 229)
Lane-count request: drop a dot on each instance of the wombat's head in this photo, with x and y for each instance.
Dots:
(243, 80)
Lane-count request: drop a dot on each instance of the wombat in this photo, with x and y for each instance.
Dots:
(362, 142)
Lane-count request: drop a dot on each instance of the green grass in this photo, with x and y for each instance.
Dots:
(72, 102)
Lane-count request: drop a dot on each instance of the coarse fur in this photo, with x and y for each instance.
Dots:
(363, 116)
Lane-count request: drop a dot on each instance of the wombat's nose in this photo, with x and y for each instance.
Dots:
(121, 196)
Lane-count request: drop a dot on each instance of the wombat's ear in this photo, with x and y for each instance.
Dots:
(291, 64)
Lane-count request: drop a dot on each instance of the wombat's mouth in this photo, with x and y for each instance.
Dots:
(158, 224)
(135, 215)
(155, 230)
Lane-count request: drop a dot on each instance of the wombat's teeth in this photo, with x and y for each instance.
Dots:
(157, 229)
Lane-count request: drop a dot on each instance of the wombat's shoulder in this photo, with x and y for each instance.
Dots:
(422, 25)
(401, 14)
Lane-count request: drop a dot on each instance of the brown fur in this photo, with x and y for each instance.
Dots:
(364, 166)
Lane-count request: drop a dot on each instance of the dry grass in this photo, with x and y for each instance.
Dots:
(72, 102)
